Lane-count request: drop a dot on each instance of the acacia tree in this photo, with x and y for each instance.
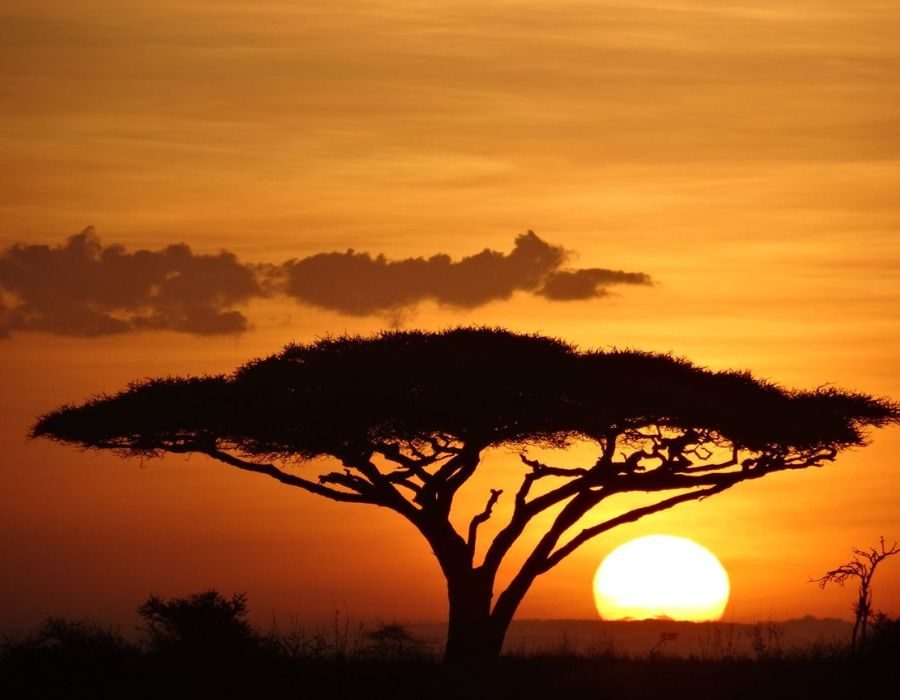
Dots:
(861, 567)
(408, 416)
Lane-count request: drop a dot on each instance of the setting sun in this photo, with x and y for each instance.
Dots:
(661, 576)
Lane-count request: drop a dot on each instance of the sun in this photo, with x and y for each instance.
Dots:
(661, 576)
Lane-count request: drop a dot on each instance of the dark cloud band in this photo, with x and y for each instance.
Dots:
(83, 288)
(589, 283)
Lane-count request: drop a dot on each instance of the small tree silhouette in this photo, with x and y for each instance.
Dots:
(861, 567)
(395, 641)
(408, 417)
(202, 629)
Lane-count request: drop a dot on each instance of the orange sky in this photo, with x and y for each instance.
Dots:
(746, 155)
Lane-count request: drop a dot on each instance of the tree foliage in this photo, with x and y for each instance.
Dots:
(481, 386)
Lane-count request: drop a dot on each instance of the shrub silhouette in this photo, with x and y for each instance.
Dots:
(395, 641)
(884, 643)
(407, 417)
(63, 654)
(203, 628)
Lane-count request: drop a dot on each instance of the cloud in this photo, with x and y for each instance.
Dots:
(358, 284)
(84, 288)
(588, 283)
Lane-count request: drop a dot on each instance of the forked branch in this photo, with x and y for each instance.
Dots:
(274, 472)
(482, 517)
(629, 517)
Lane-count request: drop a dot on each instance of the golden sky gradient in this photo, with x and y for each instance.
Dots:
(745, 155)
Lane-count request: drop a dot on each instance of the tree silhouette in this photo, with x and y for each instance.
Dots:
(203, 628)
(409, 415)
(861, 567)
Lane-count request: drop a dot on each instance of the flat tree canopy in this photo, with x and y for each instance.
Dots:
(428, 405)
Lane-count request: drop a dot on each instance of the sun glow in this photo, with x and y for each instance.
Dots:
(661, 576)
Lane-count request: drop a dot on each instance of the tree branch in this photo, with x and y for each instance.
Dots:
(482, 517)
(413, 465)
(629, 517)
(384, 492)
(714, 466)
(509, 599)
(442, 443)
(274, 472)
(524, 511)
(442, 485)
(586, 495)
(347, 480)
(662, 480)
(539, 469)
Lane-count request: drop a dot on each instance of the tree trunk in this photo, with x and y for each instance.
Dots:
(473, 636)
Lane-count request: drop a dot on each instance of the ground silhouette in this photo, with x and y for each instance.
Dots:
(408, 416)
(209, 651)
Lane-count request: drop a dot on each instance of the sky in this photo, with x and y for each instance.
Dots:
(710, 178)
